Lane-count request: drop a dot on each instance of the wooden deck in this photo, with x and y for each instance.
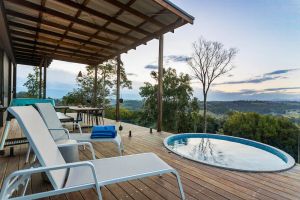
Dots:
(200, 181)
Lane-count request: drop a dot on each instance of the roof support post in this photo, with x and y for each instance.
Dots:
(118, 88)
(95, 86)
(160, 84)
(9, 81)
(45, 79)
(40, 82)
(5, 40)
(14, 89)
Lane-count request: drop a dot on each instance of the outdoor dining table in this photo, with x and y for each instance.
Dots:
(62, 108)
(88, 110)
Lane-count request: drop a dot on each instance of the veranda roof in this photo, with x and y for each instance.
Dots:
(85, 31)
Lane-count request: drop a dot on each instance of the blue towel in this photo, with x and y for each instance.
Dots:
(103, 132)
(100, 129)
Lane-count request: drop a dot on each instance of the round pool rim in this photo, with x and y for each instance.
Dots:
(290, 161)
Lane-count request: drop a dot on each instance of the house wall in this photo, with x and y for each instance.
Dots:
(6, 82)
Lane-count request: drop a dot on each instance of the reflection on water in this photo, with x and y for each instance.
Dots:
(227, 154)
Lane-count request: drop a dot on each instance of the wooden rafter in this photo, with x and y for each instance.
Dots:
(39, 24)
(72, 23)
(177, 11)
(60, 26)
(51, 33)
(43, 51)
(173, 26)
(117, 14)
(70, 18)
(135, 12)
(51, 46)
(5, 40)
(103, 16)
(82, 40)
(48, 39)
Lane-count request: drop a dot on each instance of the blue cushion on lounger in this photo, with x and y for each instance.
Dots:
(103, 132)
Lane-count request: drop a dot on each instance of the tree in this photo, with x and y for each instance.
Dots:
(177, 94)
(106, 84)
(32, 83)
(273, 130)
(209, 61)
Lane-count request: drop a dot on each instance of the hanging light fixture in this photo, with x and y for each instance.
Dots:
(79, 74)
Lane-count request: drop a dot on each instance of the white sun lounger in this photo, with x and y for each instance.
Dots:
(69, 177)
(53, 123)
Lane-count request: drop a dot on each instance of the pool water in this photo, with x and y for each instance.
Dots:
(228, 153)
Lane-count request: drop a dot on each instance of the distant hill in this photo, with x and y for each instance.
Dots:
(262, 107)
(223, 107)
(133, 105)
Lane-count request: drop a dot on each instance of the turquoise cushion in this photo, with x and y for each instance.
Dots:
(30, 101)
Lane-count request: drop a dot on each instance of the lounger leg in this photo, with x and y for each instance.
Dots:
(98, 189)
(179, 185)
(34, 158)
(120, 149)
(5, 134)
(25, 187)
(28, 154)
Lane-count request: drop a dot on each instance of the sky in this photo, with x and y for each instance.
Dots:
(265, 32)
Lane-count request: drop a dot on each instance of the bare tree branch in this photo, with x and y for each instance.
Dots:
(210, 60)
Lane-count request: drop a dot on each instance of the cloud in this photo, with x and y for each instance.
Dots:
(168, 59)
(274, 75)
(177, 58)
(264, 91)
(131, 74)
(255, 80)
(281, 89)
(282, 71)
(151, 66)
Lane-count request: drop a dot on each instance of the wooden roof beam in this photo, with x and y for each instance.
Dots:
(27, 62)
(62, 27)
(69, 44)
(22, 47)
(129, 3)
(66, 31)
(176, 10)
(103, 16)
(76, 60)
(69, 18)
(50, 33)
(44, 52)
(166, 29)
(135, 12)
(5, 40)
(39, 24)
(25, 55)
(50, 46)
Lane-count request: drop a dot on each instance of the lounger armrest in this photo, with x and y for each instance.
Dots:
(79, 127)
(12, 181)
(81, 144)
(58, 129)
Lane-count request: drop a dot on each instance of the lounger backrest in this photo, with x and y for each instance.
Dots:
(41, 142)
(51, 120)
